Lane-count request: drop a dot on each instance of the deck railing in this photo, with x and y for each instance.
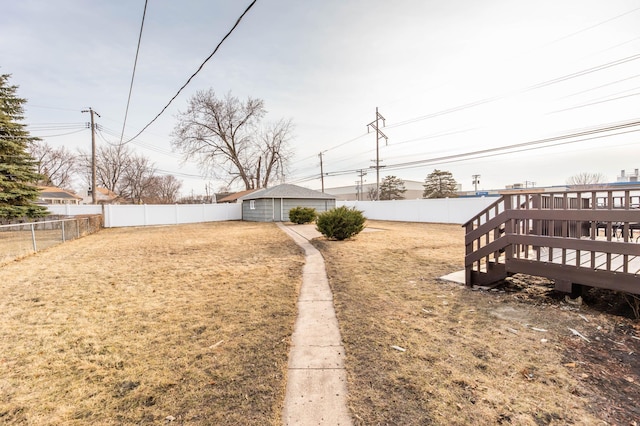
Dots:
(585, 236)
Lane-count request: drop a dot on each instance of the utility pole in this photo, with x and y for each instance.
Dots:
(94, 198)
(476, 181)
(374, 125)
(321, 172)
(361, 174)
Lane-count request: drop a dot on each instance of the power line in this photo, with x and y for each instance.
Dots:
(135, 63)
(591, 27)
(63, 134)
(575, 134)
(523, 90)
(141, 144)
(55, 126)
(594, 103)
(184, 175)
(602, 85)
(508, 149)
(49, 107)
(583, 72)
(195, 73)
(454, 159)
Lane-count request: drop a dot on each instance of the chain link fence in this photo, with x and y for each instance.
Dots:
(21, 239)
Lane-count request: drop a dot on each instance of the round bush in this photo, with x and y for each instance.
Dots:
(340, 223)
(302, 215)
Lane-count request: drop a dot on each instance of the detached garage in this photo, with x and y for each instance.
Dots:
(273, 204)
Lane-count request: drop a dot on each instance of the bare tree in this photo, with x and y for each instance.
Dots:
(275, 152)
(57, 165)
(586, 179)
(163, 190)
(137, 178)
(112, 162)
(372, 193)
(223, 136)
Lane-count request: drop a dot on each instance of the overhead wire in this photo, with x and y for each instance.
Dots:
(523, 90)
(601, 86)
(62, 134)
(594, 103)
(549, 82)
(539, 85)
(583, 72)
(135, 63)
(180, 174)
(27, 106)
(581, 134)
(620, 92)
(574, 134)
(139, 143)
(591, 27)
(196, 72)
(524, 149)
(49, 126)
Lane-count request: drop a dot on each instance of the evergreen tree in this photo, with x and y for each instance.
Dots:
(392, 188)
(440, 184)
(18, 176)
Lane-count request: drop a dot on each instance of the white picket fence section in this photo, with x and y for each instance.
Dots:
(443, 210)
(437, 210)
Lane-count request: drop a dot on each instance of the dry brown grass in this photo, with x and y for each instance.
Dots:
(471, 357)
(130, 326)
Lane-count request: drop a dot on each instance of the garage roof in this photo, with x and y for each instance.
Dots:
(287, 191)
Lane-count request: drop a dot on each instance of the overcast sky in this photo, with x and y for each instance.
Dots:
(450, 77)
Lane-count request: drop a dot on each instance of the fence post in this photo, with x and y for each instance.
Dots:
(63, 239)
(33, 237)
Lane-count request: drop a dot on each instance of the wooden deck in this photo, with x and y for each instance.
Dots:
(601, 261)
(574, 237)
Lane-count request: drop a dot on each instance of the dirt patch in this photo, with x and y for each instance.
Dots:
(423, 351)
(604, 356)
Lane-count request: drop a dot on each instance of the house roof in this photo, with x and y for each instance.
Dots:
(233, 197)
(107, 193)
(287, 191)
(55, 192)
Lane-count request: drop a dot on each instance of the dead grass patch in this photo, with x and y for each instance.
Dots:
(192, 323)
(470, 357)
(131, 326)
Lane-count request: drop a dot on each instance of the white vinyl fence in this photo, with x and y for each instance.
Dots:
(117, 215)
(437, 210)
(169, 214)
(74, 209)
(443, 210)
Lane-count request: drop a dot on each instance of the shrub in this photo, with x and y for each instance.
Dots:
(302, 215)
(340, 223)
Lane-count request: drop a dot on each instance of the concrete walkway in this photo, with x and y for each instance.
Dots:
(316, 392)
